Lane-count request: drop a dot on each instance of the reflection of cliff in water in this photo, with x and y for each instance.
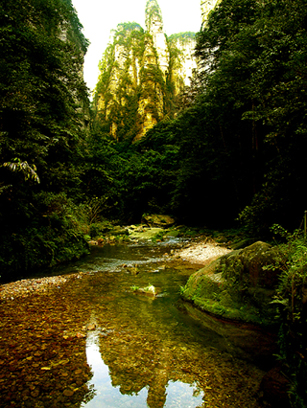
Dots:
(132, 388)
(148, 348)
(134, 364)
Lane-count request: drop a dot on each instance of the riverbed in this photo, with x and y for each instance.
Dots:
(95, 336)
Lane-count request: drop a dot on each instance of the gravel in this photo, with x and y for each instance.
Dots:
(200, 253)
(26, 287)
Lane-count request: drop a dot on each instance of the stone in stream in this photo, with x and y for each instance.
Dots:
(133, 270)
(158, 220)
(239, 285)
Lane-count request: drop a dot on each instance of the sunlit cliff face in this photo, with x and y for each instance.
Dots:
(143, 73)
(206, 7)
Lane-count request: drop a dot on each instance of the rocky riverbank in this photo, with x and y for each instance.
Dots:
(27, 287)
(200, 252)
(54, 292)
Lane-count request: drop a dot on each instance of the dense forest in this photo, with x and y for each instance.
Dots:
(43, 110)
(230, 154)
(237, 151)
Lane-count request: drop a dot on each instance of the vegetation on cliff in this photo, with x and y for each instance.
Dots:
(152, 12)
(241, 142)
(116, 98)
(141, 75)
(42, 113)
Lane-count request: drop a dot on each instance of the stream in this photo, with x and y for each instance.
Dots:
(143, 349)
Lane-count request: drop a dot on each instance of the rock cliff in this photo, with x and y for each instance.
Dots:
(206, 7)
(142, 73)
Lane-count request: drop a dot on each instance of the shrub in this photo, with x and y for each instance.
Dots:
(292, 300)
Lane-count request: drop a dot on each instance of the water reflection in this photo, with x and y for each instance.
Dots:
(104, 394)
(148, 352)
(145, 352)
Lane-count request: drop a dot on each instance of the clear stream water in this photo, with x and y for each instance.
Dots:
(149, 351)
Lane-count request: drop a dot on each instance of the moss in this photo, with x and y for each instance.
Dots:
(227, 288)
(182, 37)
(133, 89)
(152, 10)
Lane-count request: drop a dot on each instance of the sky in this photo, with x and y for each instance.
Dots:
(99, 17)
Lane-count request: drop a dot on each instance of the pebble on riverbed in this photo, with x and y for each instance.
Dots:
(199, 252)
(26, 287)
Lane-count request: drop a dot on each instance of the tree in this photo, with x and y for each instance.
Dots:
(43, 101)
(254, 61)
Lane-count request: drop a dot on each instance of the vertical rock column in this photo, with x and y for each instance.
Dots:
(155, 69)
(206, 7)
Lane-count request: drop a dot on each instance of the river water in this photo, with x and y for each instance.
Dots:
(143, 349)
(147, 351)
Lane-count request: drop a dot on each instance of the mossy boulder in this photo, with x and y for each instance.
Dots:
(248, 266)
(145, 234)
(158, 220)
(239, 285)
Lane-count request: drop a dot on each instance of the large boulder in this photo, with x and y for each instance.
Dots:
(239, 285)
(252, 266)
(158, 220)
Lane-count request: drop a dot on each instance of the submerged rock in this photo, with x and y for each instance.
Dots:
(91, 326)
(133, 270)
(147, 291)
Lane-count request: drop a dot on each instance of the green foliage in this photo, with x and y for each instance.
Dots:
(53, 234)
(152, 11)
(250, 59)
(292, 301)
(28, 171)
(238, 148)
(42, 116)
(182, 37)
